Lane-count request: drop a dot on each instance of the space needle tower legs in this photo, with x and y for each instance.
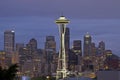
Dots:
(62, 66)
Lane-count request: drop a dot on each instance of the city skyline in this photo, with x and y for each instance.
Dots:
(96, 44)
(87, 46)
(35, 62)
(35, 19)
(40, 36)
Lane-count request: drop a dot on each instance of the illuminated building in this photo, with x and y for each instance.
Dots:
(101, 48)
(50, 49)
(32, 45)
(108, 53)
(112, 62)
(89, 51)
(50, 43)
(9, 40)
(72, 60)
(102, 45)
(15, 58)
(62, 66)
(75, 55)
(93, 49)
(87, 45)
(2, 59)
(28, 68)
(77, 50)
(77, 47)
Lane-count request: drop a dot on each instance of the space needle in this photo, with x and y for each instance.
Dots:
(62, 66)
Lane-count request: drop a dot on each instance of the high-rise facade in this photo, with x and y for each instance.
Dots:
(72, 61)
(87, 44)
(32, 45)
(67, 40)
(50, 51)
(50, 43)
(30, 58)
(93, 49)
(101, 47)
(50, 48)
(9, 40)
(77, 47)
(67, 44)
(75, 56)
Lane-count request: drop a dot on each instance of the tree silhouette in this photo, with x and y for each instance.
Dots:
(10, 73)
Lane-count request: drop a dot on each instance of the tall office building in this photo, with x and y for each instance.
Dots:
(93, 49)
(30, 58)
(9, 40)
(87, 44)
(50, 48)
(67, 40)
(67, 43)
(101, 48)
(75, 55)
(77, 47)
(72, 60)
(32, 45)
(50, 43)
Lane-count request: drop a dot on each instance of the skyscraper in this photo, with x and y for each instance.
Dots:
(67, 43)
(50, 43)
(75, 55)
(93, 49)
(87, 44)
(32, 45)
(77, 47)
(101, 48)
(50, 48)
(9, 40)
(31, 48)
(67, 40)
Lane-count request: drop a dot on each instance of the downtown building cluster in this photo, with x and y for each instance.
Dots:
(34, 62)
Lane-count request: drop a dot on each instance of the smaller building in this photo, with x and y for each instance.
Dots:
(2, 59)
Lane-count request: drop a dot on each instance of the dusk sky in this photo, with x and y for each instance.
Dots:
(35, 19)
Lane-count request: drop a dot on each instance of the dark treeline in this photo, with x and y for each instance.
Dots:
(8, 74)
